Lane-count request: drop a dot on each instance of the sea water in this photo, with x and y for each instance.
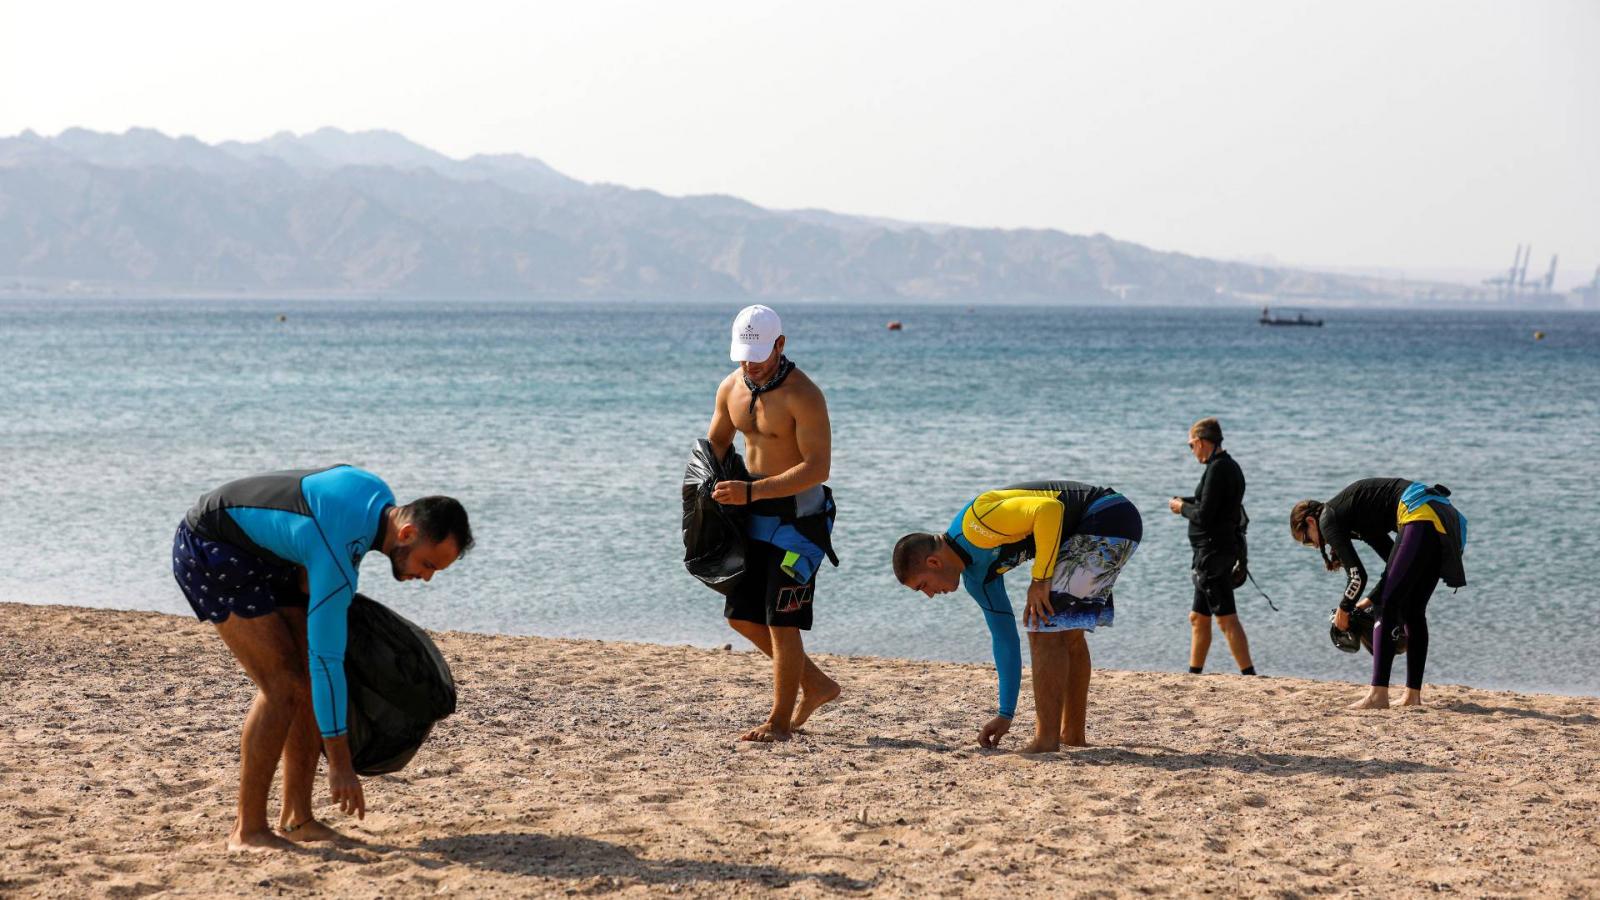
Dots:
(564, 428)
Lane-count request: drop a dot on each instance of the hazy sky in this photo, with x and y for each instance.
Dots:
(1415, 135)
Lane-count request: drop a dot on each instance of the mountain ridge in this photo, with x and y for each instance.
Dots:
(374, 213)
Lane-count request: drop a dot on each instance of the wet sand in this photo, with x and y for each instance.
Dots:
(581, 767)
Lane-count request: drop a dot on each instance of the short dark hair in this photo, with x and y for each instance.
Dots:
(911, 552)
(1207, 429)
(439, 519)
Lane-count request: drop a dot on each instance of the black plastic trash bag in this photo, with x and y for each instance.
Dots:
(713, 534)
(399, 686)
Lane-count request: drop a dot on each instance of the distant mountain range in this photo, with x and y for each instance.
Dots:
(333, 213)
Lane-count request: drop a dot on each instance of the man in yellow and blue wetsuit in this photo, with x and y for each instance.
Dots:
(1079, 537)
(272, 561)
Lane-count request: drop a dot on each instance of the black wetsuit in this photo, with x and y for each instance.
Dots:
(1213, 513)
(1363, 511)
(1368, 510)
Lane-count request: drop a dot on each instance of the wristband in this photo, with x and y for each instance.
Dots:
(749, 491)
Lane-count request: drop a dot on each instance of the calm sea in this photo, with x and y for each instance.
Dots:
(565, 429)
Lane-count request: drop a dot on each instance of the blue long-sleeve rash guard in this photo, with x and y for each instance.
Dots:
(324, 520)
(984, 579)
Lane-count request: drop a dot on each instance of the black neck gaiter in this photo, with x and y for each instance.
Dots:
(756, 390)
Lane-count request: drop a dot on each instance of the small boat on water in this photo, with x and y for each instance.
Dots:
(1299, 318)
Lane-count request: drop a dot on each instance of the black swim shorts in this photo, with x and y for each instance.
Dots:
(767, 595)
(772, 593)
(1212, 571)
(220, 580)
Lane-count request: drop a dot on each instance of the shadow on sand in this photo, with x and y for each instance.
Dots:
(1278, 764)
(1478, 710)
(888, 743)
(574, 857)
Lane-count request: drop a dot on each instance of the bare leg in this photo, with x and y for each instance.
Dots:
(788, 664)
(1413, 697)
(1075, 709)
(266, 650)
(1238, 644)
(1199, 640)
(816, 688)
(301, 754)
(1049, 651)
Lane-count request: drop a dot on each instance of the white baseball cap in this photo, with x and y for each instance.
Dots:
(755, 329)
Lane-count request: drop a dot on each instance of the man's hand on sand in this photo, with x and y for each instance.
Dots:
(345, 787)
(992, 731)
(1039, 609)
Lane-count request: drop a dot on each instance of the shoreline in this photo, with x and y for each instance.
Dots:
(579, 766)
(1355, 682)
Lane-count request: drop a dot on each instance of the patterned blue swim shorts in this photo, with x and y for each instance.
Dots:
(220, 580)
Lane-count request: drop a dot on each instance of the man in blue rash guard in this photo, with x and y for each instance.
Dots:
(272, 561)
(1079, 537)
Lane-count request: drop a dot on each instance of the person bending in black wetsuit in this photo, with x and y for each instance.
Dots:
(1432, 535)
(1214, 514)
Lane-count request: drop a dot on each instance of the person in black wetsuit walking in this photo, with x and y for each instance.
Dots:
(1214, 514)
(1432, 536)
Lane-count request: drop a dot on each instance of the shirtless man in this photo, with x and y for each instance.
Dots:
(784, 420)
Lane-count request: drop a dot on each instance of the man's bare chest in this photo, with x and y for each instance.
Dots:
(770, 417)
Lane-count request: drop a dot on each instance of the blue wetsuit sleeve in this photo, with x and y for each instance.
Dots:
(1003, 641)
(327, 630)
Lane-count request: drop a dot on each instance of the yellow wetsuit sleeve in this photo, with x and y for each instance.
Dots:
(1005, 517)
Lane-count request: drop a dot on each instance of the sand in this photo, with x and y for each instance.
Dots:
(581, 767)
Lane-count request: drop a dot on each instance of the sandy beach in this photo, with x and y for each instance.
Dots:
(581, 767)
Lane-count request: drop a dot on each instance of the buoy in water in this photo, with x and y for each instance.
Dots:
(894, 325)
(282, 317)
(1538, 335)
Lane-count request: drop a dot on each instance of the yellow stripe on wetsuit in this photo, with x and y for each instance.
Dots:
(1423, 513)
(1006, 517)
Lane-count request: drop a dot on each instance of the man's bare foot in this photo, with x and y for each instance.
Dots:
(257, 842)
(1413, 698)
(1068, 741)
(311, 830)
(765, 734)
(812, 699)
(1040, 745)
(1377, 698)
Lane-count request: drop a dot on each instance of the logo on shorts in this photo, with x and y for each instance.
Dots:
(790, 599)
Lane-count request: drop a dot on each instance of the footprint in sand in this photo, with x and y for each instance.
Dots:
(46, 812)
(132, 889)
(178, 789)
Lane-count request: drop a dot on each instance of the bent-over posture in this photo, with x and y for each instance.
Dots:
(1432, 537)
(272, 562)
(1079, 537)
